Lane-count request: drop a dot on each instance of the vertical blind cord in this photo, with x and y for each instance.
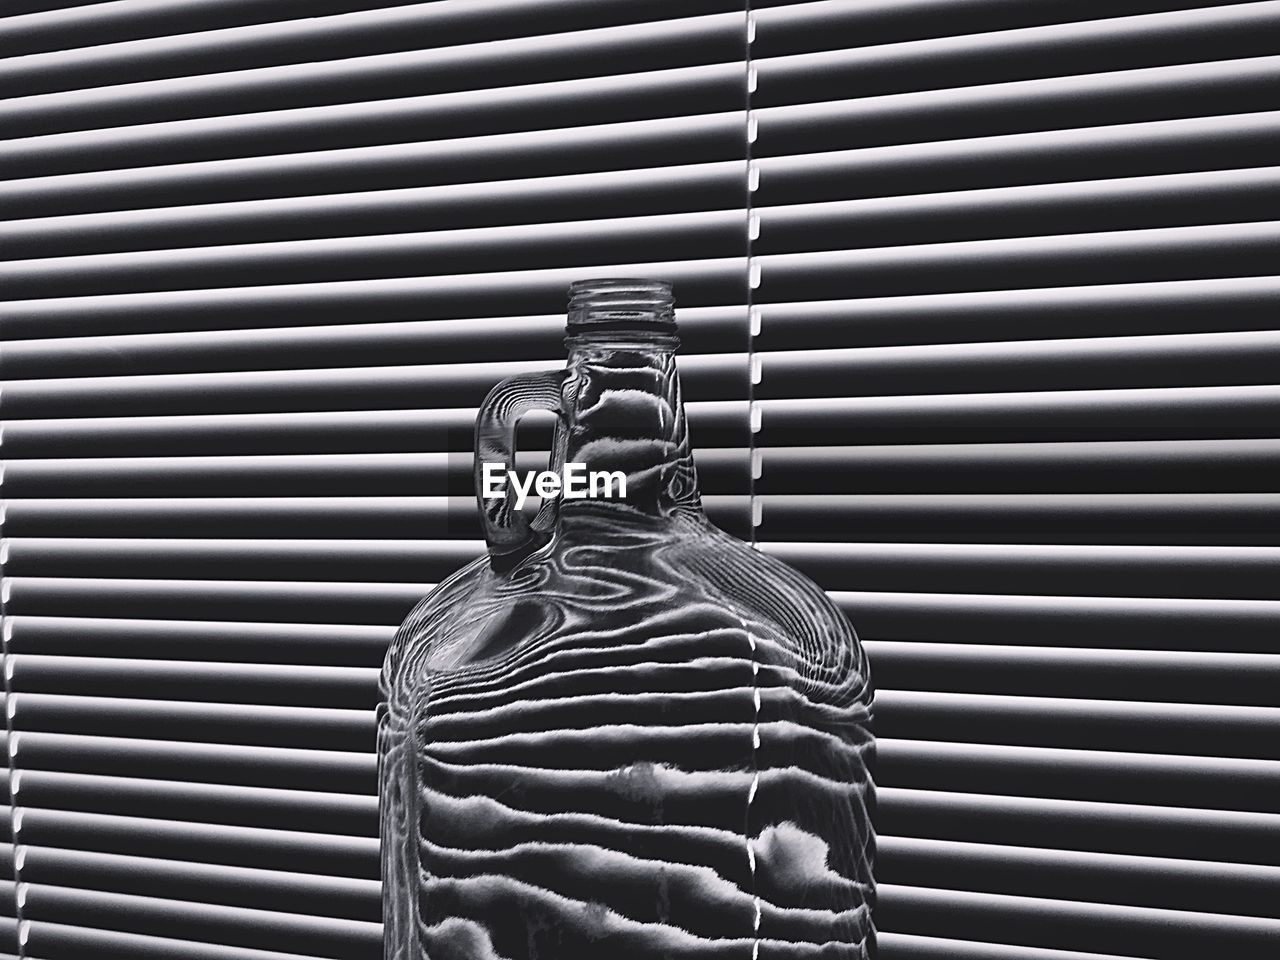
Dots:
(6, 669)
(754, 459)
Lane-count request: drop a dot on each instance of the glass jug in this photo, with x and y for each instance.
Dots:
(622, 733)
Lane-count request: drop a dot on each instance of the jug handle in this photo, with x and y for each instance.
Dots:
(506, 532)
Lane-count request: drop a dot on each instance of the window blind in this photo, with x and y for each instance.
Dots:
(1013, 405)
(262, 259)
(1017, 321)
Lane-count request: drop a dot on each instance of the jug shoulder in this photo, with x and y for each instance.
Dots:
(794, 621)
(605, 584)
(434, 625)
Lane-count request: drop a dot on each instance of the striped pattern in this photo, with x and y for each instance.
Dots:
(970, 123)
(648, 741)
(1015, 369)
(204, 713)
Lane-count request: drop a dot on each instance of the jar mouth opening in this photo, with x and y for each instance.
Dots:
(621, 306)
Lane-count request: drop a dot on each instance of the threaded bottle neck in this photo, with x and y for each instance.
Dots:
(621, 306)
(622, 400)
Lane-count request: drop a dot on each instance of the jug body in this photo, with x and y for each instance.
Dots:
(625, 733)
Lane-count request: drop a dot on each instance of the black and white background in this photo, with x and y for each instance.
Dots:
(1008, 387)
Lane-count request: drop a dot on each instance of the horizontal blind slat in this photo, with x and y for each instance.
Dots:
(307, 811)
(270, 890)
(907, 946)
(1038, 721)
(1083, 825)
(622, 145)
(233, 926)
(1195, 885)
(1155, 254)
(1168, 200)
(230, 600)
(818, 24)
(1122, 43)
(1094, 774)
(1058, 923)
(1164, 307)
(663, 190)
(469, 113)
(121, 530)
(1149, 413)
(329, 853)
(710, 377)
(289, 767)
(1177, 676)
(1134, 623)
(1185, 359)
(702, 283)
(435, 519)
(1158, 518)
(718, 424)
(60, 941)
(691, 235)
(1122, 96)
(315, 644)
(103, 714)
(1105, 570)
(390, 483)
(345, 691)
(1157, 466)
(279, 29)
(347, 78)
(548, 57)
(1073, 154)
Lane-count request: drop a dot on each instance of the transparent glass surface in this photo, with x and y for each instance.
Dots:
(635, 738)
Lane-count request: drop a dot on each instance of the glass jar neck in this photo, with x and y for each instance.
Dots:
(624, 420)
